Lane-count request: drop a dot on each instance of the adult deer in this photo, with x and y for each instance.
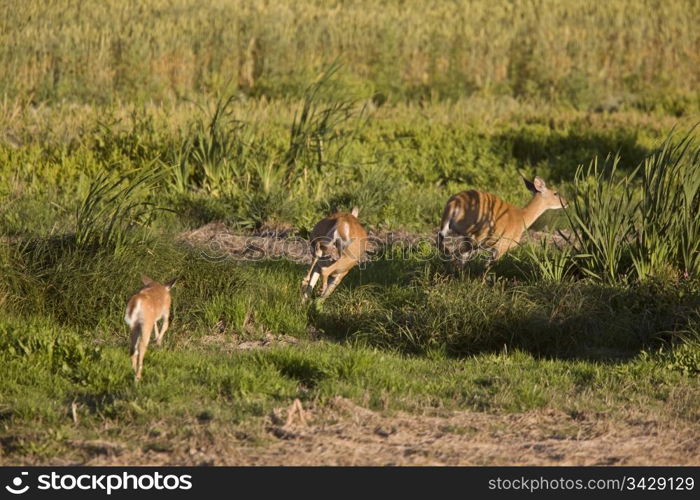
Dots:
(488, 223)
(341, 235)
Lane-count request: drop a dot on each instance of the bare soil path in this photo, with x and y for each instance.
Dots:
(345, 434)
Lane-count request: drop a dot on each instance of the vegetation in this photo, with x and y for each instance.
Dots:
(624, 53)
(226, 112)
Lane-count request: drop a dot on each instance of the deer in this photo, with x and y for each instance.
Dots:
(143, 311)
(487, 222)
(337, 243)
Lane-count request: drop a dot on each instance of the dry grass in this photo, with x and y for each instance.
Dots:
(343, 433)
(583, 53)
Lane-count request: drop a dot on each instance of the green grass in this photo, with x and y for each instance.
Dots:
(95, 191)
(640, 225)
(48, 369)
(399, 335)
(400, 166)
(399, 301)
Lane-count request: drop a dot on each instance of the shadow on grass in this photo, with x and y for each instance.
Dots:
(196, 210)
(410, 306)
(563, 150)
(460, 315)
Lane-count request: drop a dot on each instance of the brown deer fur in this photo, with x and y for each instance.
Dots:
(144, 309)
(341, 237)
(488, 222)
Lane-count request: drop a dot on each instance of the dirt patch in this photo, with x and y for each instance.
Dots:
(345, 434)
(232, 343)
(217, 241)
(224, 339)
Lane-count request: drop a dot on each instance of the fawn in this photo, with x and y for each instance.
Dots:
(150, 304)
(341, 234)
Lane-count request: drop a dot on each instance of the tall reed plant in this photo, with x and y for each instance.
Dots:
(114, 208)
(643, 224)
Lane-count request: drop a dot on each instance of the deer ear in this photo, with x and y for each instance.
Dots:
(146, 280)
(171, 283)
(539, 184)
(529, 185)
(355, 211)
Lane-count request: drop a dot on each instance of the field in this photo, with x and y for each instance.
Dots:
(204, 142)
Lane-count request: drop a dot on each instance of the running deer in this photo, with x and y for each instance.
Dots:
(145, 308)
(340, 235)
(489, 223)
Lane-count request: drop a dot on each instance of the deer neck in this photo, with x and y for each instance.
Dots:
(532, 211)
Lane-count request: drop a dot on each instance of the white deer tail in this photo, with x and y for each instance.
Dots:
(133, 314)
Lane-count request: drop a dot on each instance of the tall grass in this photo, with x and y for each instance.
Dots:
(418, 311)
(640, 224)
(603, 217)
(319, 122)
(641, 53)
(264, 179)
(113, 209)
(669, 229)
(213, 153)
(546, 262)
(399, 167)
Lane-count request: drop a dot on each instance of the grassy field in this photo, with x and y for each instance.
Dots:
(642, 54)
(237, 115)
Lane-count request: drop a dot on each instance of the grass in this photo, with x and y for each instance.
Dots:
(623, 53)
(397, 336)
(399, 167)
(51, 369)
(400, 335)
(639, 225)
(95, 191)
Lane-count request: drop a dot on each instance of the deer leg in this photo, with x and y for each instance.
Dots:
(487, 267)
(467, 248)
(313, 276)
(155, 329)
(310, 281)
(134, 347)
(307, 279)
(337, 278)
(326, 273)
(440, 242)
(163, 329)
(143, 346)
(495, 253)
